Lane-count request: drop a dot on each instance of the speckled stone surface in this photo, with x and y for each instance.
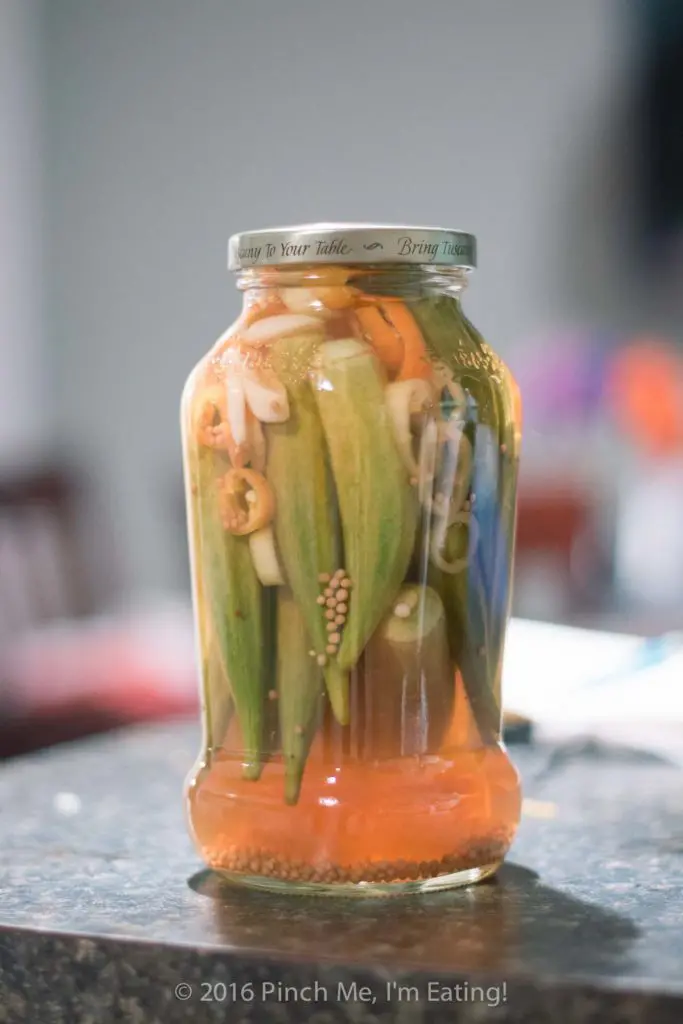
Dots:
(105, 909)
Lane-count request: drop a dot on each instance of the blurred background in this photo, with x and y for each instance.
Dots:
(136, 135)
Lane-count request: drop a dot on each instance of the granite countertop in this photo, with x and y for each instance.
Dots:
(105, 908)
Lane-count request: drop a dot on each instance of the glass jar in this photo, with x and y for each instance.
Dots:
(351, 446)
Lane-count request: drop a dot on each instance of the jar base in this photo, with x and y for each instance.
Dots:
(362, 890)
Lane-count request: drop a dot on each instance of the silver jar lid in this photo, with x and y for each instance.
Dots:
(352, 243)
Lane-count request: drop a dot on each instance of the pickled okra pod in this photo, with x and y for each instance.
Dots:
(377, 502)
(216, 698)
(307, 530)
(300, 691)
(234, 599)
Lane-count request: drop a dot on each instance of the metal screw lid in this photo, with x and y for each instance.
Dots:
(352, 243)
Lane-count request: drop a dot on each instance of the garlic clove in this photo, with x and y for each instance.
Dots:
(264, 557)
(272, 327)
(266, 396)
(304, 301)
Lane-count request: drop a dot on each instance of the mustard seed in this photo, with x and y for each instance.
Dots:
(257, 860)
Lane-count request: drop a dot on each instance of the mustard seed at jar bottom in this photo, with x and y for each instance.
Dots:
(351, 447)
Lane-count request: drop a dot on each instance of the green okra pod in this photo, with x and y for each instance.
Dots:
(307, 529)
(300, 690)
(234, 600)
(377, 501)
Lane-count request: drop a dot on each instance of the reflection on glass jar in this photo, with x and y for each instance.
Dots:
(351, 447)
